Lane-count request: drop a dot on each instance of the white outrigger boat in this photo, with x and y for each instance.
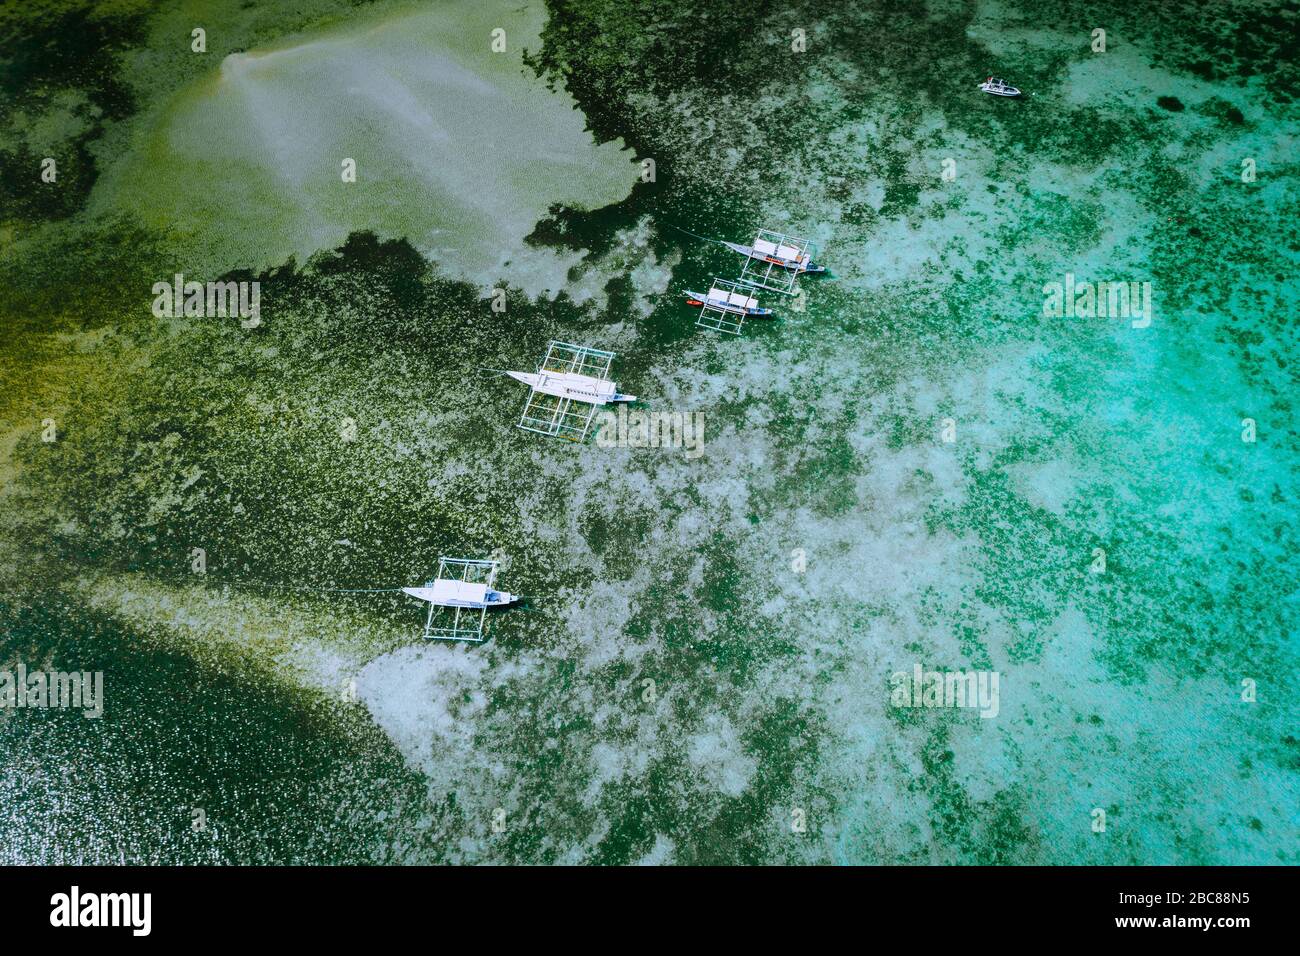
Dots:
(998, 87)
(725, 306)
(567, 388)
(774, 261)
(462, 585)
(783, 255)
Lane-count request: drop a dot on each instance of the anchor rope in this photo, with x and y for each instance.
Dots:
(307, 587)
(695, 234)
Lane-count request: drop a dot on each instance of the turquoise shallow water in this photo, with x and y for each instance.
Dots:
(705, 657)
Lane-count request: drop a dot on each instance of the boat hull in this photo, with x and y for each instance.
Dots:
(433, 596)
(790, 264)
(999, 90)
(696, 300)
(578, 388)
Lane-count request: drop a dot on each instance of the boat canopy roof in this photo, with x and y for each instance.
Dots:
(446, 591)
(721, 295)
(780, 250)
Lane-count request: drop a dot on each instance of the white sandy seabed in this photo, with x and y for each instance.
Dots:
(457, 148)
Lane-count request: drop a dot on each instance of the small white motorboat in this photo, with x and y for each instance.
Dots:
(999, 87)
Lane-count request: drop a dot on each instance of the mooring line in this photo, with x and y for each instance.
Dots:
(307, 587)
(695, 234)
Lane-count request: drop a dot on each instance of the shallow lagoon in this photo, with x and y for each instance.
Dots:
(824, 436)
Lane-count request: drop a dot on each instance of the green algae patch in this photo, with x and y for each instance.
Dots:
(455, 146)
